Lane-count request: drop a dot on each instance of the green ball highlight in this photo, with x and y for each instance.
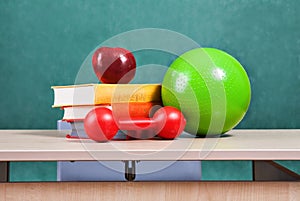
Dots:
(210, 87)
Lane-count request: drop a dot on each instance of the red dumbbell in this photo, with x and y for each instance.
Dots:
(167, 122)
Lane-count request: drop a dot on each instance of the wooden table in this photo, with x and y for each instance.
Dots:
(51, 145)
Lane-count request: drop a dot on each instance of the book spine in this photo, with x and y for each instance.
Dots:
(119, 94)
(125, 110)
(135, 110)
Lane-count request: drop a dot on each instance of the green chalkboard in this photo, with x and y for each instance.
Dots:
(44, 43)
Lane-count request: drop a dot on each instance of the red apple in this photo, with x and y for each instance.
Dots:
(114, 65)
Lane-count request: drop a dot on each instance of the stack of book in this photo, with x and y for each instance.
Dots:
(125, 100)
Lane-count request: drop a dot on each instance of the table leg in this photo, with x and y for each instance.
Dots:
(3, 171)
(272, 171)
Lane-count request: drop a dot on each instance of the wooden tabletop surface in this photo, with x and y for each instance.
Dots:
(52, 145)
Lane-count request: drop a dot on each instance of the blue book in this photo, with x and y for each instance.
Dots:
(77, 130)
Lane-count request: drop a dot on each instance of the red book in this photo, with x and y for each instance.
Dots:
(123, 110)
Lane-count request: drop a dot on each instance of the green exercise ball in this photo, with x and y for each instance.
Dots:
(210, 87)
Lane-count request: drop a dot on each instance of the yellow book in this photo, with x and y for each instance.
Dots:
(96, 94)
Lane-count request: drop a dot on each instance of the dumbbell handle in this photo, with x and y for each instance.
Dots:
(138, 124)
